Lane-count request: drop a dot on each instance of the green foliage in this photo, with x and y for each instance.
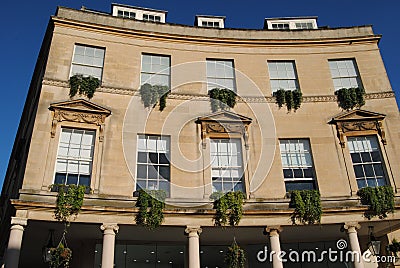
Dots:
(307, 206)
(289, 100)
(394, 247)
(292, 98)
(222, 98)
(151, 204)
(380, 200)
(152, 94)
(280, 97)
(297, 99)
(229, 207)
(235, 256)
(84, 85)
(350, 98)
(69, 202)
(60, 256)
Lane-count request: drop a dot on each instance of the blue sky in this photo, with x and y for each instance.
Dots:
(24, 22)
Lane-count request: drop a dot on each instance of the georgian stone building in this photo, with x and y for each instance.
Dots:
(115, 145)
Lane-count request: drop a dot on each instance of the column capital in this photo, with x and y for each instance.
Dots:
(190, 230)
(107, 227)
(273, 230)
(351, 226)
(19, 221)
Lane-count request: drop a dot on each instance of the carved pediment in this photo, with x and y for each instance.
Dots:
(80, 105)
(357, 115)
(224, 122)
(225, 116)
(359, 122)
(80, 111)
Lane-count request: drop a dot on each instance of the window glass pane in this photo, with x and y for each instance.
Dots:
(220, 73)
(367, 162)
(226, 164)
(344, 74)
(75, 154)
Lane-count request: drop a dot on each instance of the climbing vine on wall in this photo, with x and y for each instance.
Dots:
(69, 202)
(222, 98)
(350, 98)
(229, 208)
(291, 98)
(380, 201)
(151, 204)
(307, 206)
(151, 95)
(83, 85)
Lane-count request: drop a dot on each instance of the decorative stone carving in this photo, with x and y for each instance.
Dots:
(359, 122)
(79, 111)
(224, 123)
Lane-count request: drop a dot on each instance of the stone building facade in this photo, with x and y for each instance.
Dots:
(115, 145)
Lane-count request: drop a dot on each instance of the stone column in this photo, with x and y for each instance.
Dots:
(109, 231)
(352, 228)
(273, 232)
(194, 245)
(15, 241)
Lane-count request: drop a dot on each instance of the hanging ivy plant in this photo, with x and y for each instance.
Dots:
(297, 99)
(307, 206)
(151, 95)
(394, 247)
(229, 207)
(291, 98)
(280, 97)
(222, 98)
(69, 201)
(350, 98)
(83, 85)
(151, 204)
(60, 256)
(380, 201)
(235, 256)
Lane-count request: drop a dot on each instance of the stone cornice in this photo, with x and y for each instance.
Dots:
(183, 33)
(204, 97)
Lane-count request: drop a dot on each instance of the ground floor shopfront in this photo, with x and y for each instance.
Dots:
(122, 245)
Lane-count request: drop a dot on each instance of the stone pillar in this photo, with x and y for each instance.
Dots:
(109, 231)
(194, 245)
(15, 241)
(352, 228)
(273, 232)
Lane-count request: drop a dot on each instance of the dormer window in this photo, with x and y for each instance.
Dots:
(138, 13)
(209, 21)
(295, 23)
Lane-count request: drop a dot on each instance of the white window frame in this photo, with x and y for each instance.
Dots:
(78, 60)
(296, 157)
(280, 26)
(283, 72)
(227, 165)
(151, 17)
(126, 14)
(75, 158)
(149, 146)
(219, 72)
(366, 149)
(155, 72)
(344, 73)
